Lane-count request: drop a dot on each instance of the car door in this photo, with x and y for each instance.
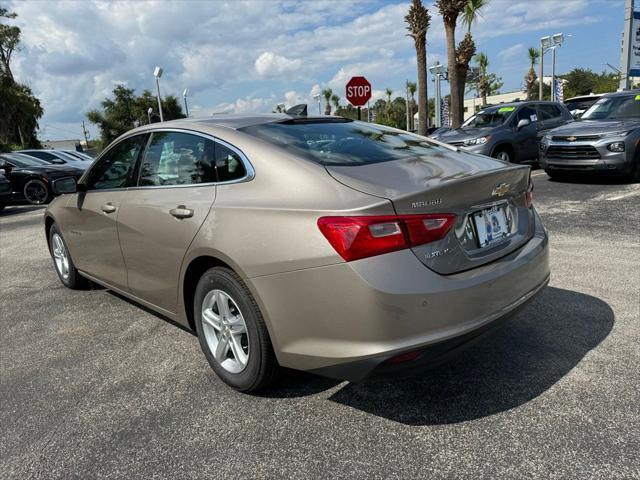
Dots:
(526, 138)
(90, 216)
(162, 214)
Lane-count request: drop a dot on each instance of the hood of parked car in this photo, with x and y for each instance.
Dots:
(597, 127)
(462, 134)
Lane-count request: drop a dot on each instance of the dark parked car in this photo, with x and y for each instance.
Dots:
(31, 178)
(578, 105)
(5, 190)
(57, 157)
(604, 140)
(509, 131)
(79, 155)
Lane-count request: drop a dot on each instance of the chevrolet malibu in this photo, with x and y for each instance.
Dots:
(322, 244)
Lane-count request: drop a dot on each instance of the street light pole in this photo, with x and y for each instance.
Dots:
(184, 97)
(158, 73)
(627, 36)
(541, 74)
(149, 112)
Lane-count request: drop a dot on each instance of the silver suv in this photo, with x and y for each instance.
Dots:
(603, 140)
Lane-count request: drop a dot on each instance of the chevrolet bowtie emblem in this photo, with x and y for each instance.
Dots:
(572, 139)
(500, 190)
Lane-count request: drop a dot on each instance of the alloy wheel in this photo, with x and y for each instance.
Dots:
(36, 192)
(60, 256)
(504, 156)
(225, 331)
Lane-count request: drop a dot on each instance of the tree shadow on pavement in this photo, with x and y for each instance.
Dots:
(538, 347)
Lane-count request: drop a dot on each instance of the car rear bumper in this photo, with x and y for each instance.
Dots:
(346, 320)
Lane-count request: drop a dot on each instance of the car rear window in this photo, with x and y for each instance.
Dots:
(342, 142)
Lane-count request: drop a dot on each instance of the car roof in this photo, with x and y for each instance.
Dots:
(592, 96)
(624, 93)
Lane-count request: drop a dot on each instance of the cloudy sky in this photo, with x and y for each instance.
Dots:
(239, 56)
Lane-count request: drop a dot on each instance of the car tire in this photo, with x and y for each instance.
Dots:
(66, 270)
(36, 191)
(634, 174)
(503, 154)
(232, 332)
(2, 205)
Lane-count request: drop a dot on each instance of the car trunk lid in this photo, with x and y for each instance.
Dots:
(473, 187)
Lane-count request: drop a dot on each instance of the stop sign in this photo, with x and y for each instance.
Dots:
(358, 91)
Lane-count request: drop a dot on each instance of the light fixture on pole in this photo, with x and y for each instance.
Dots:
(158, 73)
(545, 43)
(149, 112)
(317, 99)
(185, 94)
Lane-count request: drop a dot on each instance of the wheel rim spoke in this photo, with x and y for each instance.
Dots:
(225, 331)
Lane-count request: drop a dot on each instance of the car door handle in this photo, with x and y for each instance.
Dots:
(181, 212)
(108, 208)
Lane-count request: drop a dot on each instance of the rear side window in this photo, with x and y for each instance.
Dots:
(114, 169)
(229, 165)
(43, 155)
(549, 112)
(343, 142)
(174, 158)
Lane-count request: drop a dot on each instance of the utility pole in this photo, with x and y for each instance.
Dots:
(541, 74)
(626, 70)
(86, 134)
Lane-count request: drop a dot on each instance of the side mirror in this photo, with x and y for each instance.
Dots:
(523, 123)
(7, 168)
(58, 161)
(64, 185)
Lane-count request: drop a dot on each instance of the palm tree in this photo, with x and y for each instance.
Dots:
(450, 11)
(335, 99)
(411, 87)
(327, 93)
(388, 92)
(483, 87)
(530, 78)
(458, 58)
(418, 20)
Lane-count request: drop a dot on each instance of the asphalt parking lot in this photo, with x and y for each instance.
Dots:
(95, 386)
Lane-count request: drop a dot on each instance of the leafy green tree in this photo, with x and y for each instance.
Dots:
(125, 110)
(581, 81)
(530, 78)
(418, 20)
(20, 109)
(485, 83)
(412, 88)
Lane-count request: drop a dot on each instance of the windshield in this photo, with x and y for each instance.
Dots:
(489, 118)
(343, 142)
(625, 106)
(23, 160)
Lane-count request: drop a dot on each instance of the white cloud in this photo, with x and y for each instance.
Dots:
(511, 52)
(271, 65)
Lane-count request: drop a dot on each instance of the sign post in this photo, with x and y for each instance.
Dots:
(630, 60)
(358, 92)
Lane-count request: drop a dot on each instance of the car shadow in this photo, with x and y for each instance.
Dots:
(590, 179)
(528, 356)
(10, 210)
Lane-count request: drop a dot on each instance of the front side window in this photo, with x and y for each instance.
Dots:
(174, 158)
(549, 112)
(114, 169)
(527, 113)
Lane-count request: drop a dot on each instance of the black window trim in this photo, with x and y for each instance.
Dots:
(249, 175)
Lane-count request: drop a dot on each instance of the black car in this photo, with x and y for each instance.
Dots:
(31, 178)
(5, 190)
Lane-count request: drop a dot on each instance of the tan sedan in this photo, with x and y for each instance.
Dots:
(316, 243)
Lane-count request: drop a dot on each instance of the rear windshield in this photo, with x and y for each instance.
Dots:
(342, 142)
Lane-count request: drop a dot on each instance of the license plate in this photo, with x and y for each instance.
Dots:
(491, 225)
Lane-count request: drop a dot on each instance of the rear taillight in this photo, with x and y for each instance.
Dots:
(361, 237)
(528, 196)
